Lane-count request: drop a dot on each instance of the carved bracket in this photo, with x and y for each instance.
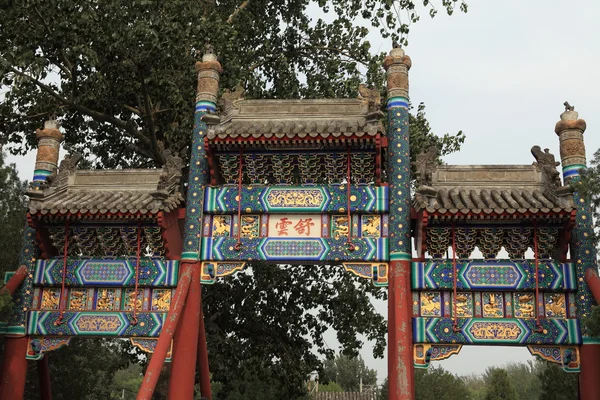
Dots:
(377, 272)
(425, 353)
(566, 356)
(38, 346)
(148, 345)
(213, 270)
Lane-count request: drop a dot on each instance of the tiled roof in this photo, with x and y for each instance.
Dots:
(500, 189)
(296, 119)
(106, 192)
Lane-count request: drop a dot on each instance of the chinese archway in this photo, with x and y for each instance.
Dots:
(124, 253)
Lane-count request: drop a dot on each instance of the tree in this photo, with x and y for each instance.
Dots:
(500, 386)
(330, 387)
(12, 221)
(524, 378)
(118, 76)
(12, 216)
(82, 370)
(558, 384)
(435, 383)
(348, 372)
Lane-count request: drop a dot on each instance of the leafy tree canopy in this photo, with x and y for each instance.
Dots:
(348, 372)
(500, 386)
(556, 384)
(119, 75)
(435, 383)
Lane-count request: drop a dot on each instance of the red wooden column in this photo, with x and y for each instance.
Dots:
(203, 369)
(14, 369)
(400, 344)
(400, 347)
(589, 378)
(185, 345)
(44, 378)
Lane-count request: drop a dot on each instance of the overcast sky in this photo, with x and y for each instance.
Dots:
(500, 73)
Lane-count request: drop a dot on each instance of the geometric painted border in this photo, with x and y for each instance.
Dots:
(294, 250)
(95, 323)
(287, 199)
(107, 272)
(496, 331)
(493, 275)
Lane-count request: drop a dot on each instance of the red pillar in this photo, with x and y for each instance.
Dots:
(400, 347)
(589, 378)
(14, 369)
(15, 281)
(205, 389)
(44, 378)
(166, 334)
(185, 345)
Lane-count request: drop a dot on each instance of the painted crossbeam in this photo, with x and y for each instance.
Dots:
(495, 331)
(286, 199)
(294, 250)
(493, 275)
(95, 323)
(107, 272)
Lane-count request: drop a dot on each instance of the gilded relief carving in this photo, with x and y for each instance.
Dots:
(339, 226)
(524, 305)
(221, 225)
(464, 304)
(430, 304)
(495, 331)
(161, 299)
(295, 198)
(250, 226)
(555, 305)
(492, 305)
(78, 299)
(371, 226)
(107, 300)
(50, 299)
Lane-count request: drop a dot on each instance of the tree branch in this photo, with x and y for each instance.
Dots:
(84, 110)
(150, 119)
(237, 11)
(69, 67)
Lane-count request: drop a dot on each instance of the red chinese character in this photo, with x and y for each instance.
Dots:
(304, 226)
(282, 225)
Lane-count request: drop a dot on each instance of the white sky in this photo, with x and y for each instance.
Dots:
(500, 73)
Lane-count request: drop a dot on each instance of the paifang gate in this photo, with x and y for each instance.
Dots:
(120, 253)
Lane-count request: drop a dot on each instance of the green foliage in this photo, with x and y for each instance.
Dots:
(12, 217)
(589, 187)
(126, 382)
(500, 386)
(82, 370)
(557, 384)
(330, 387)
(12, 221)
(119, 74)
(383, 391)
(347, 371)
(435, 383)
(592, 322)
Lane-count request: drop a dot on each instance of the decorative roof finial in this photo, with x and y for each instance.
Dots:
(568, 107)
(209, 52)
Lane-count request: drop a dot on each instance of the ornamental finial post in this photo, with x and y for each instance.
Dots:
(570, 131)
(49, 140)
(209, 71)
(396, 66)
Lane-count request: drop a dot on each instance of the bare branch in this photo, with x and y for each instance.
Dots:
(237, 11)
